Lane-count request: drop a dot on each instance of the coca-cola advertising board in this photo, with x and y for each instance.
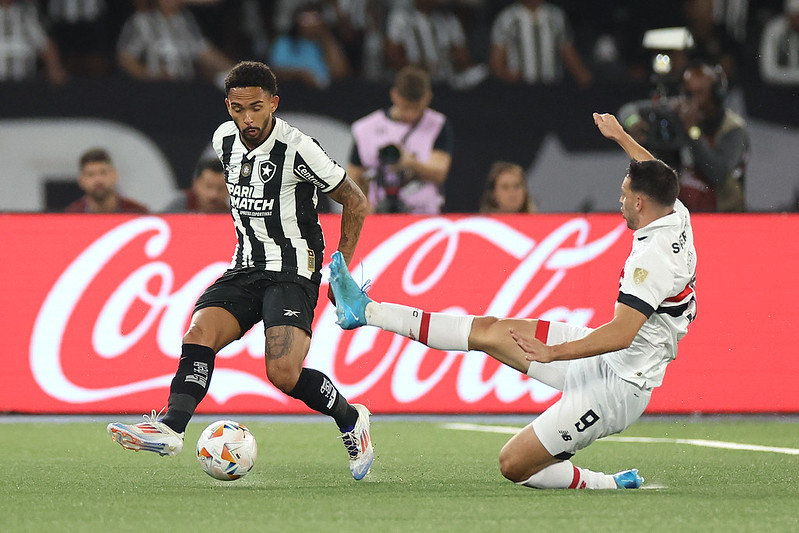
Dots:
(95, 306)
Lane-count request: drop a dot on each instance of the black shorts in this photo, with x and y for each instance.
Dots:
(252, 295)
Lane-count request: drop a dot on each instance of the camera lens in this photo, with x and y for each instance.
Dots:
(388, 155)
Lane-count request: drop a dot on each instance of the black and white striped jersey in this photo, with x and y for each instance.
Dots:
(273, 198)
(428, 39)
(21, 38)
(168, 45)
(533, 41)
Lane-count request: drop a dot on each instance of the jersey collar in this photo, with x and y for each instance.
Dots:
(266, 146)
(670, 220)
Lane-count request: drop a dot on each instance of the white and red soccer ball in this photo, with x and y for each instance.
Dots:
(227, 450)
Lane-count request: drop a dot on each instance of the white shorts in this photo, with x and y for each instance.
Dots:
(595, 402)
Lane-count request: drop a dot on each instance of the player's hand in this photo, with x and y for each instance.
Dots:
(534, 349)
(609, 126)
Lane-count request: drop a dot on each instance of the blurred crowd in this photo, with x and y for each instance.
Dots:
(460, 42)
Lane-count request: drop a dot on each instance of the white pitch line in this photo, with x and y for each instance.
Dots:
(691, 442)
(710, 444)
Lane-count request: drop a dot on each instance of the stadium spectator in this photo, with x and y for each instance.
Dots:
(779, 47)
(606, 374)
(165, 43)
(401, 156)
(238, 28)
(98, 181)
(733, 15)
(707, 142)
(531, 41)
(430, 36)
(712, 44)
(207, 194)
(506, 190)
(82, 30)
(275, 273)
(359, 27)
(310, 52)
(23, 41)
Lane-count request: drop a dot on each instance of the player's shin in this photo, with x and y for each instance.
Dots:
(189, 385)
(317, 392)
(438, 330)
(564, 475)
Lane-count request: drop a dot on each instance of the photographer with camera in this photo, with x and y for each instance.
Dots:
(707, 143)
(401, 155)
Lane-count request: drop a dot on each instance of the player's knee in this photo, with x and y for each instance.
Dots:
(208, 334)
(196, 335)
(480, 336)
(282, 377)
(511, 468)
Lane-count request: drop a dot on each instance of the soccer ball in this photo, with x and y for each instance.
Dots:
(226, 450)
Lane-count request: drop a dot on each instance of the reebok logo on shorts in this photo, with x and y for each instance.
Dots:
(289, 312)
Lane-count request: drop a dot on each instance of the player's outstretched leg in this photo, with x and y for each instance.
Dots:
(351, 301)
(152, 435)
(565, 475)
(628, 479)
(354, 309)
(359, 444)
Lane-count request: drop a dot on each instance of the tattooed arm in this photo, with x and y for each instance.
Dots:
(355, 207)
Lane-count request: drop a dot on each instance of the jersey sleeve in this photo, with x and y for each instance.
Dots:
(396, 26)
(355, 155)
(226, 129)
(33, 27)
(312, 164)
(199, 43)
(131, 41)
(444, 141)
(501, 31)
(646, 281)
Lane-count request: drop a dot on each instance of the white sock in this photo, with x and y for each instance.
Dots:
(437, 330)
(564, 475)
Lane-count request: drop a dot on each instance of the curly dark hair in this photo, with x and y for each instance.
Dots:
(251, 74)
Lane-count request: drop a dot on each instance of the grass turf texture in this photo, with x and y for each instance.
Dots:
(71, 477)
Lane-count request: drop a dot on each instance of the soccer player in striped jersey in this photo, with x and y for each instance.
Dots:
(606, 374)
(531, 41)
(273, 172)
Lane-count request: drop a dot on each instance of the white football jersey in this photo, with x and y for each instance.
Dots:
(658, 280)
(273, 198)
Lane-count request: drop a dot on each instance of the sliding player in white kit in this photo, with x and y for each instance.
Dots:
(606, 374)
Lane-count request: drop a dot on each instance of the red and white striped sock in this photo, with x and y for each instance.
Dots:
(437, 330)
(564, 475)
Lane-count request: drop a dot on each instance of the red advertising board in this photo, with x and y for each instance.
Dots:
(94, 308)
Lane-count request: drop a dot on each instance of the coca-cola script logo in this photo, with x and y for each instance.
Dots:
(455, 265)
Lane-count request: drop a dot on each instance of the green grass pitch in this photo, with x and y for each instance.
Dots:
(70, 477)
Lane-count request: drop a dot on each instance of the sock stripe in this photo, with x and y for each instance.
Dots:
(542, 330)
(576, 479)
(424, 328)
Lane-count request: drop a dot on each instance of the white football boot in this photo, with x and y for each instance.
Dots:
(359, 444)
(151, 435)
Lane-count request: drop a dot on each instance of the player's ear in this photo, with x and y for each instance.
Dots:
(275, 102)
(227, 106)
